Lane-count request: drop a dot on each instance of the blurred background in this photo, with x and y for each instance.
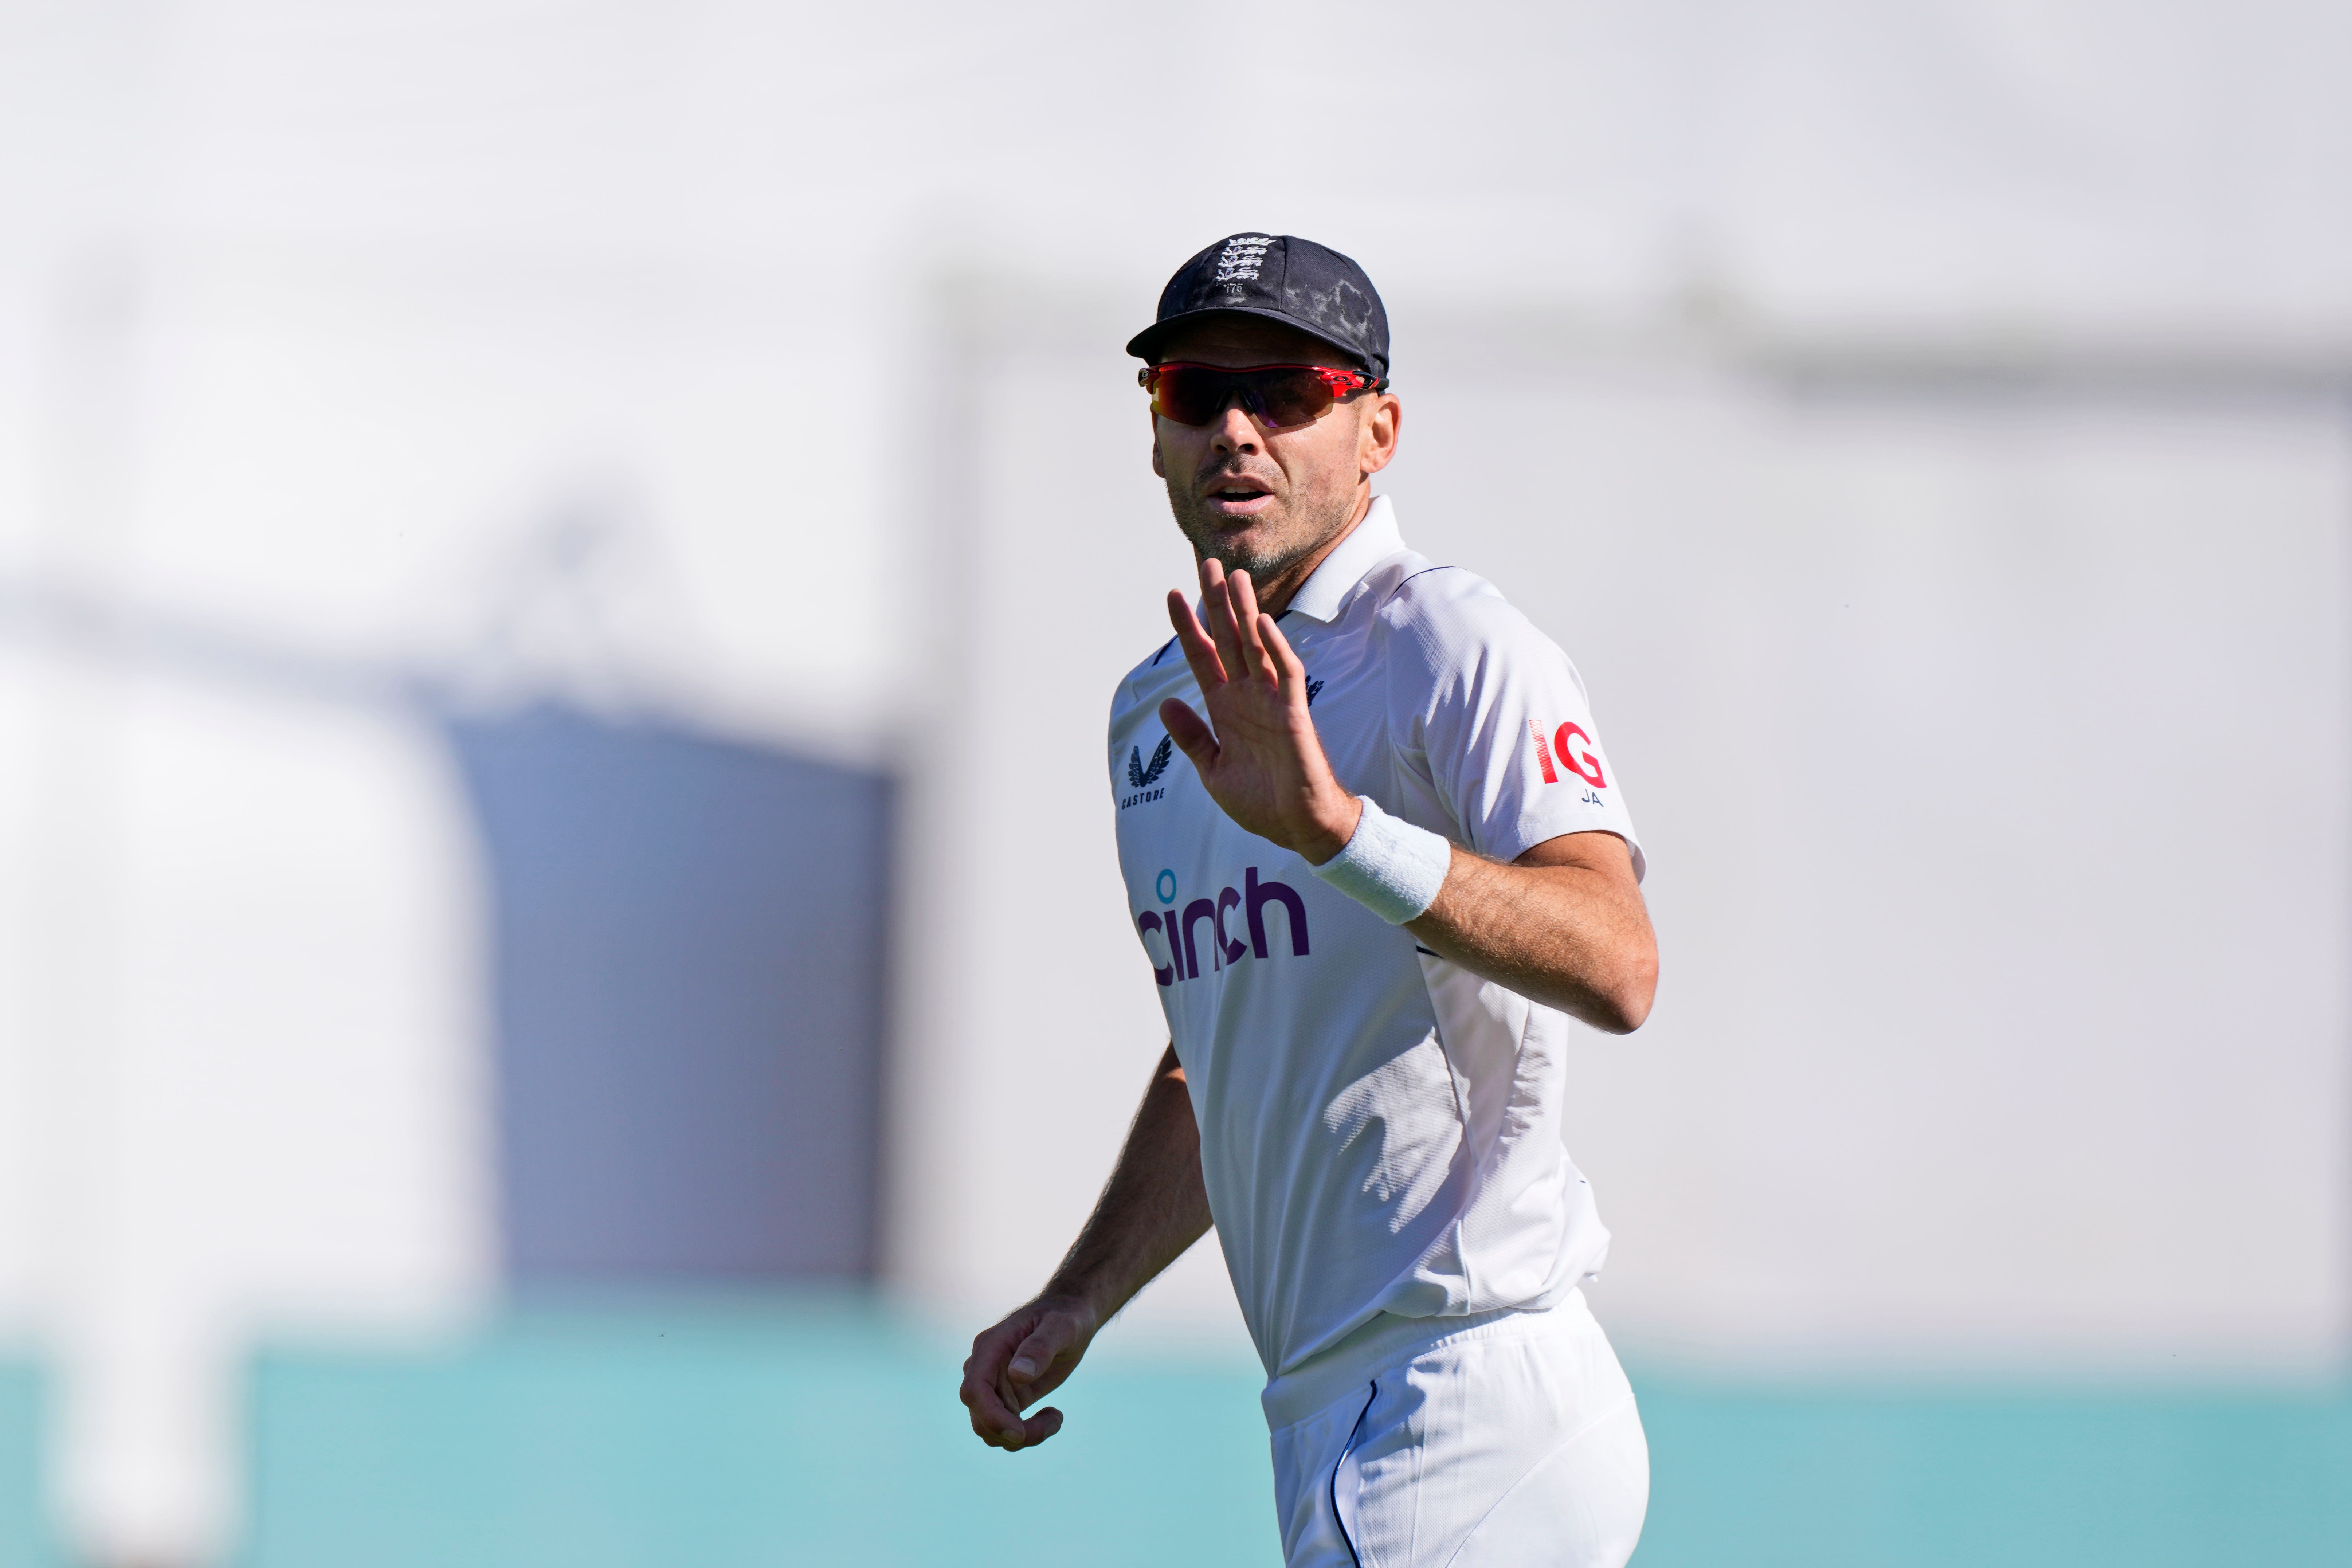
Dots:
(561, 570)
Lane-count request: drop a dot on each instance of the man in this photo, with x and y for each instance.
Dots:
(1391, 864)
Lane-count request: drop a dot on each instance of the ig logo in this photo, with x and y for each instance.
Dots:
(1583, 764)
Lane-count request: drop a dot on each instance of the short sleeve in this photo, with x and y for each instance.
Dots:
(1497, 718)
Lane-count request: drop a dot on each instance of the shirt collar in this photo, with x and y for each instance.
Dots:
(1374, 540)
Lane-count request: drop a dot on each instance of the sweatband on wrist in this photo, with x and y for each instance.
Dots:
(1391, 867)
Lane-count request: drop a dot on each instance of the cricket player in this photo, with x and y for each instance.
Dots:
(1376, 859)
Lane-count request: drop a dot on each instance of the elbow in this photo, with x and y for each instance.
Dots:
(1625, 1006)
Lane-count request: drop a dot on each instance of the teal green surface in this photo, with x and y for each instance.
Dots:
(695, 1436)
(709, 1438)
(1939, 1479)
(25, 1539)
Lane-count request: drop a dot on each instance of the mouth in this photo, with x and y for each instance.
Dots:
(1238, 496)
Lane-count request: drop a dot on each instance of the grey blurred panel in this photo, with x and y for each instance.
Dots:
(688, 961)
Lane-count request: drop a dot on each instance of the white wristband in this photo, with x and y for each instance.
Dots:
(1391, 867)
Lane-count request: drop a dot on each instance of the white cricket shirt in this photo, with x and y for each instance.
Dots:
(1380, 1129)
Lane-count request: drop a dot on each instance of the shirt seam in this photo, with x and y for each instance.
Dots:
(1398, 752)
(1390, 598)
(1454, 1078)
(1422, 572)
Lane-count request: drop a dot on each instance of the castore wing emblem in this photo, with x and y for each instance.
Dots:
(1137, 775)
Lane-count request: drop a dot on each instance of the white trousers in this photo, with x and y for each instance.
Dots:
(1511, 1442)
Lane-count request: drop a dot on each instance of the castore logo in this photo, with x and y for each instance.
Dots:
(1141, 777)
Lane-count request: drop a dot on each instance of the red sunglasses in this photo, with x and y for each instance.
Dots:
(1281, 395)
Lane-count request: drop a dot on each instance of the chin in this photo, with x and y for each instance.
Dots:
(1235, 546)
(1260, 558)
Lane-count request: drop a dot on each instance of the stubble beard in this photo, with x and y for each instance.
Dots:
(1307, 522)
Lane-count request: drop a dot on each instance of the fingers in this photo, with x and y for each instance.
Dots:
(993, 1417)
(1193, 638)
(1289, 670)
(1016, 1434)
(1041, 1361)
(997, 1424)
(1217, 600)
(1036, 1430)
(1191, 734)
(1037, 1352)
(1242, 597)
(1229, 601)
(1017, 1361)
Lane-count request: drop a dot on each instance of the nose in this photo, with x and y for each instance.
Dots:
(1233, 430)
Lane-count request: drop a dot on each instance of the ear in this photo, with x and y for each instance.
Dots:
(1376, 437)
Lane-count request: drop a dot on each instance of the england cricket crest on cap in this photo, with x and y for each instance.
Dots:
(1238, 262)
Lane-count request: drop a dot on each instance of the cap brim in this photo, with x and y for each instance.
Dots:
(1145, 344)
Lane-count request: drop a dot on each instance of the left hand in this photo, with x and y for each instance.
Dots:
(1258, 753)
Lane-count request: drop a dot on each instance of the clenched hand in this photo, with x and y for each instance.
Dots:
(1018, 1362)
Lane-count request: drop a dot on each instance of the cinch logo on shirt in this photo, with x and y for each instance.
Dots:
(1584, 765)
(1181, 932)
(1142, 775)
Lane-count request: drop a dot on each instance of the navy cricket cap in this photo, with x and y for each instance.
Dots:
(1285, 278)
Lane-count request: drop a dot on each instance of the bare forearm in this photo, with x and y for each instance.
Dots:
(1570, 934)
(1153, 1208)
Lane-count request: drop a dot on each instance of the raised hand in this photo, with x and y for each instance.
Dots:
(1256, 753)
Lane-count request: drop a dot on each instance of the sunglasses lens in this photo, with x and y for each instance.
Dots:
(1189, 395)
(1287, 397)
(1196, 394)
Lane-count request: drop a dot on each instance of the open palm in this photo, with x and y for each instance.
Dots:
(1256, 752)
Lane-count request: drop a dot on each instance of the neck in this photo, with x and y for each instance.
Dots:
(1274, 595)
